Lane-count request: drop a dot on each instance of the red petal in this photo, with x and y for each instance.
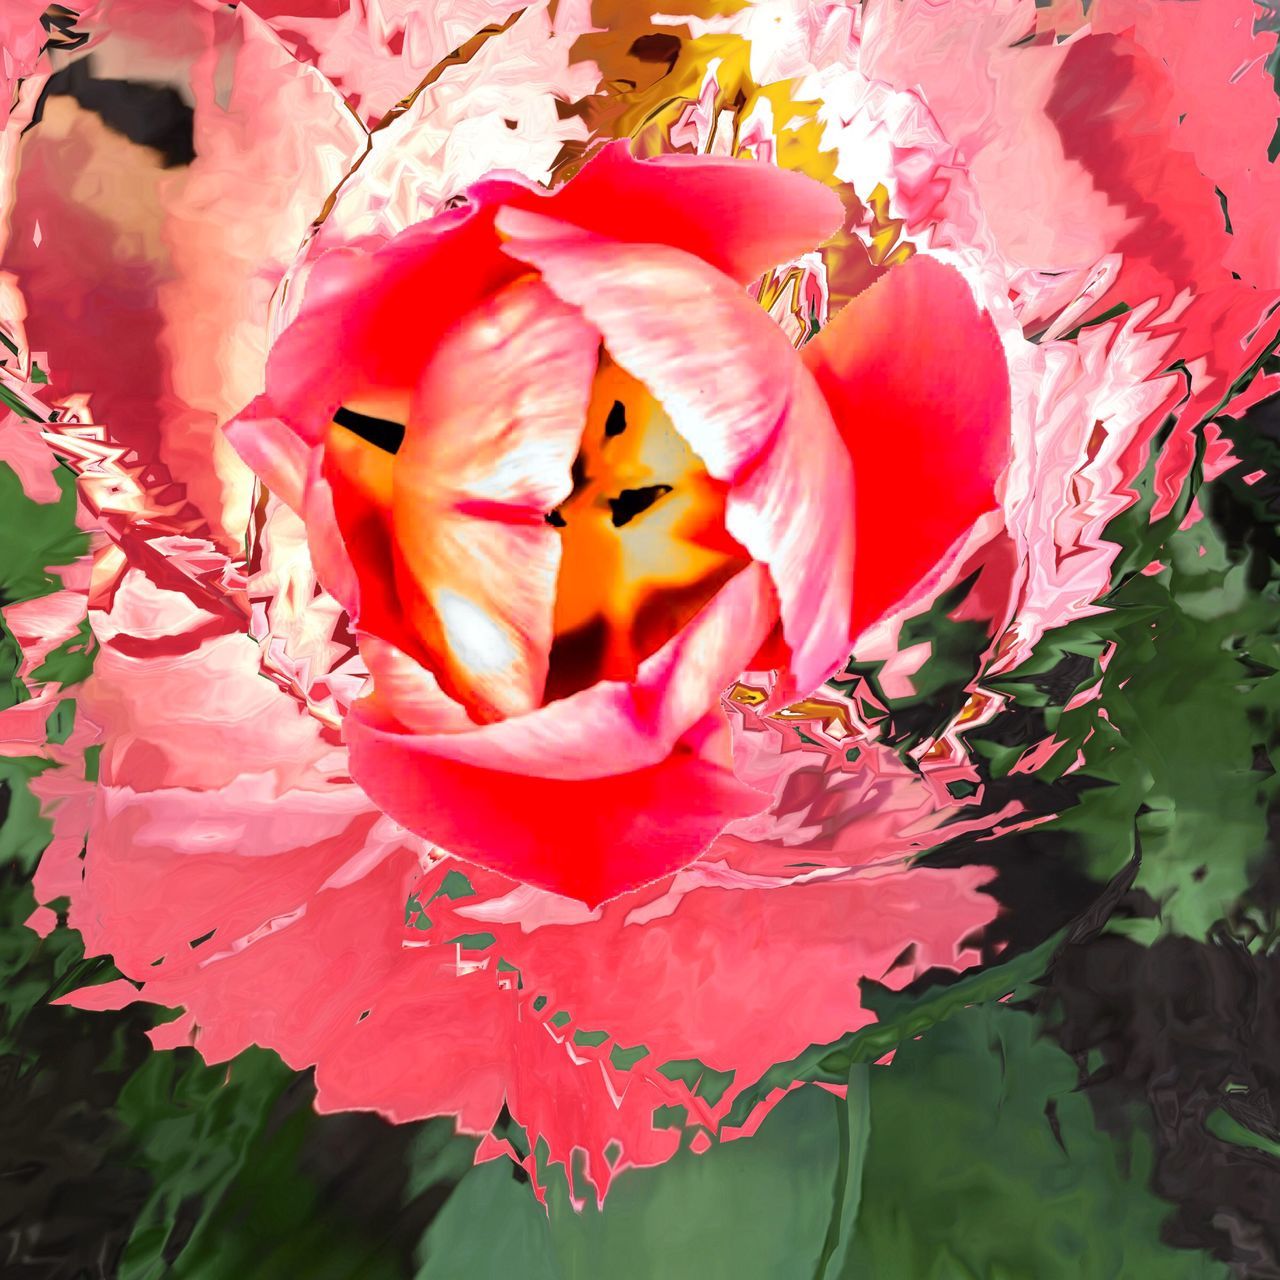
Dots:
(919, 390)
(589, 839)
(740, 216)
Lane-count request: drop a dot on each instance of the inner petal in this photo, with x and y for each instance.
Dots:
(643, 540)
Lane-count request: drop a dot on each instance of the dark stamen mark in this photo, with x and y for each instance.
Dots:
(659, 46)
(631, 502)
(379, 432)
(555, 518)
(616, 423)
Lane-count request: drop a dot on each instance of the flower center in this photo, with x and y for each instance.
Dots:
(644, 541)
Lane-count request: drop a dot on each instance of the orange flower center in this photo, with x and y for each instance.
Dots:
(644, 544)
(644, 541)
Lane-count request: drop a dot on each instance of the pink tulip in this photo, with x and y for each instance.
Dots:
(550, 609)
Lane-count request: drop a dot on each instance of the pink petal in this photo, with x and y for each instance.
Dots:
(42, 921)
(435, 1042)
(22, 726)
(364, 329)
(148, 287)
(364, 325)
(480, 595)
(499, 413)
(43, 624)
(106, 996)
(276, 453)
(494, 427)
(22, 39)
(741, 960)
(1216, 70)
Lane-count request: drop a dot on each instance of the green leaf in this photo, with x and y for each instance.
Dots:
(855, 1135)
(899, 1016)
(1225, 1126)
(1190, 697)
(757, 1208)
(35, 536)
(984, 1161)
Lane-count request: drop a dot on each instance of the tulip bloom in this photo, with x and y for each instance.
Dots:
(568, 479)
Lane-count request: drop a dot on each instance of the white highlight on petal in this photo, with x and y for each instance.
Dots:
(474, 636)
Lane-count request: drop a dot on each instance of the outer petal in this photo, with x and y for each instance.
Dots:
(735, 389)
(1217, 69)
(917, 383)
(370, 320)
(740, 217)
(589, 840)
(362, 333)
(305, 893)
(276, 453)
(640, 768)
